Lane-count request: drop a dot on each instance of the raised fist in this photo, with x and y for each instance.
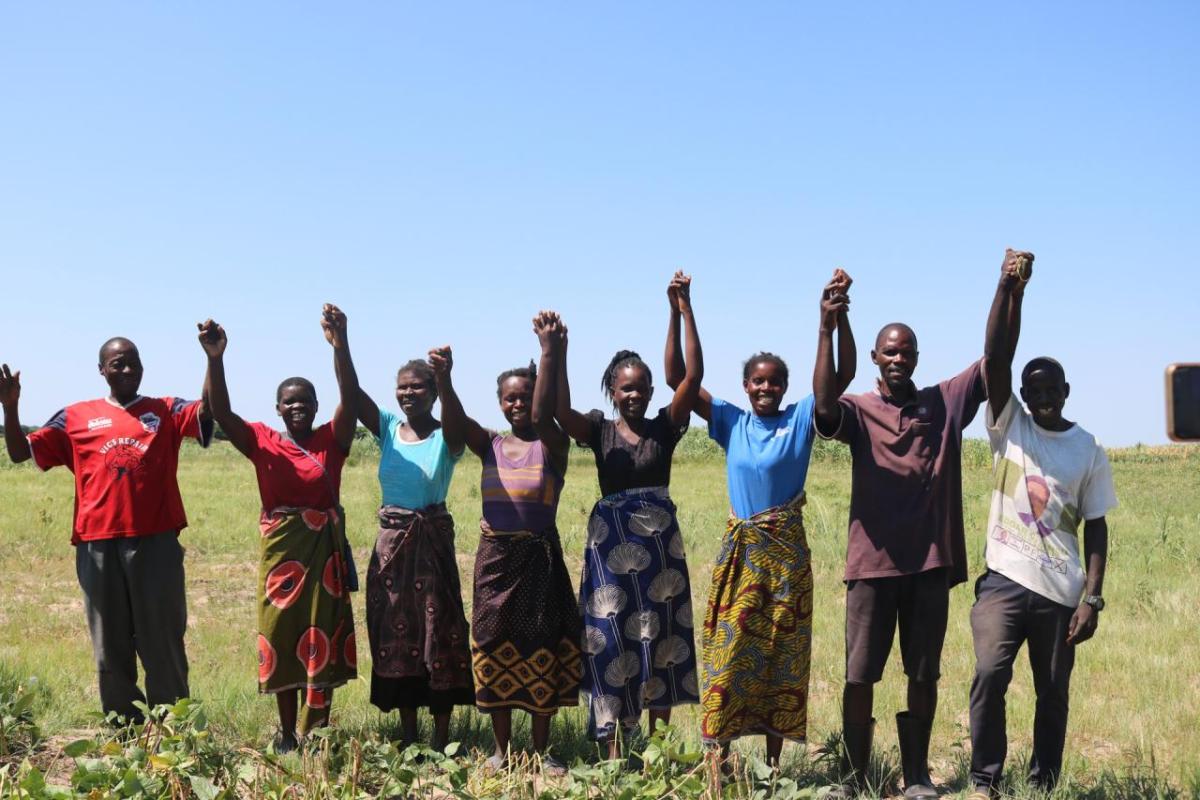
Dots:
(442, 360)
(333, 323)
(212, 338)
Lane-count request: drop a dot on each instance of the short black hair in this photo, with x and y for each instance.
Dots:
(1046, 363)
(114, 341)
(303, 383)
(899, 326)
(622, 359)
(763, 357)
(529, 373)
(424, 372)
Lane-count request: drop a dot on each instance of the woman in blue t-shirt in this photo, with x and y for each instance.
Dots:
(415, 621)
(758, 621)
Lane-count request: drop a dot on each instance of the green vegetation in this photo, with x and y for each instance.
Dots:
(1135, 718)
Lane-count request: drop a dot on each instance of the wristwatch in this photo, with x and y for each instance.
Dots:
(1095, 601)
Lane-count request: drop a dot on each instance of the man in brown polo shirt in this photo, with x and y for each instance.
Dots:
(906, 545)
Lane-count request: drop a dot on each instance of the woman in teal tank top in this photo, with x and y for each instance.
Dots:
(415, 621)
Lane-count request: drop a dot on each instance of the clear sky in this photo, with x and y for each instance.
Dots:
(444, 170)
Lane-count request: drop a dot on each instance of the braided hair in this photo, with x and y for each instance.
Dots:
(622, 359)
(529, 373)
(763, 357)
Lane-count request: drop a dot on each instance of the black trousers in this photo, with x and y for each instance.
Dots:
(136, 608)
(1005, 616)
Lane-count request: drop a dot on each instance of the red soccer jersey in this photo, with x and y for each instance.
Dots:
(124, 460)
(290, 476)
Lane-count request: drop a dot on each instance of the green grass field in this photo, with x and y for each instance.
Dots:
(1135, 693)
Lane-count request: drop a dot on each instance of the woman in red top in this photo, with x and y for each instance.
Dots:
(305, 623)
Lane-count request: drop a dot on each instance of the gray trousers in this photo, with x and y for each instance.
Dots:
(1005, 616)
(136, 608)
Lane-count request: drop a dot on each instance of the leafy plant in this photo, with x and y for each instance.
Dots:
(18, 731)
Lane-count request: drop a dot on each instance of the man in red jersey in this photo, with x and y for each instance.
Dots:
(124, 452)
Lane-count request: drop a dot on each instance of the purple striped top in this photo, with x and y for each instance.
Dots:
(520, 495)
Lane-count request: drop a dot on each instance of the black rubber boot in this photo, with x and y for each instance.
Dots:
(914, 756)
(856, 759)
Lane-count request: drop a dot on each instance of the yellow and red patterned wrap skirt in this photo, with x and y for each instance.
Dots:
(758, 629)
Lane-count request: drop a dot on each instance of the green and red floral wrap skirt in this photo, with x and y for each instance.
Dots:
(305, 621)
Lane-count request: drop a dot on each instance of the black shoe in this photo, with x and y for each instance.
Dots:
(856, 760)
(914, 756)
(284, 744)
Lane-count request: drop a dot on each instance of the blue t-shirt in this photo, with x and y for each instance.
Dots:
(413, 475)
(766, 458)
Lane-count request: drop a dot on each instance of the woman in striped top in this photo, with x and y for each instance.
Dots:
(525, 624)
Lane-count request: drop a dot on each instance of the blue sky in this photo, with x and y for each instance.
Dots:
(442, 171)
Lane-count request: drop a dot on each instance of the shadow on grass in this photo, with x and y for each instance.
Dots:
(1141, 780)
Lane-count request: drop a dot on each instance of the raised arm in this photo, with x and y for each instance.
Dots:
(847, 355)
(687, 394)
(829, 382)
(674, 367)
(216, 392)
(549, 330)
(575, 425)
(10, 396)
(368, 412)
(1004, 328)
(457, 428)
(345, 417)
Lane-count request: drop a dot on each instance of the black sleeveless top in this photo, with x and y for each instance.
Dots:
(622, 465)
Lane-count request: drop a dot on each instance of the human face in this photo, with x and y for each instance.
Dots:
(896, 354)
(765, 387)
(121, 366)
(414, 395)
(1045, 392)
(297, 408)
(631, 392)
(516, 402)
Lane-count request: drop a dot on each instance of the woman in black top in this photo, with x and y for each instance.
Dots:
(639, 651)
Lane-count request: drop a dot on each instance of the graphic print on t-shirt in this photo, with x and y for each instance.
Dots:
(124, 459)
(1038, 511)
(150, 421)
(1046, 483)
(123, 456)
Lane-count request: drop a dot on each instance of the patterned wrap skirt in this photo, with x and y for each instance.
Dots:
(525, 623)
(639, 651)
(415, 619)
(305, 620)
(758, 629)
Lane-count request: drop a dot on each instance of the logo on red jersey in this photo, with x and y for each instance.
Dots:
(150, 421)
(123, 456)
(99, 422)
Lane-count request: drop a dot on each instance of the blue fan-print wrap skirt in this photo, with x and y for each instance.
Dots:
(636, 599)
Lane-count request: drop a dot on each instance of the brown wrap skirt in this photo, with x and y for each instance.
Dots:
(525, 623)
(415, 620)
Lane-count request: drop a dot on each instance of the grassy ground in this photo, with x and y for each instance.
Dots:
(1136, 687)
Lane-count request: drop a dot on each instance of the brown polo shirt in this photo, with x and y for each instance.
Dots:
(906, 512)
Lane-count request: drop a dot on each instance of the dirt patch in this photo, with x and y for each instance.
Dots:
(49, 759)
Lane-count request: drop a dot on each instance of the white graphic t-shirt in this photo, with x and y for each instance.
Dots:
(1044, 483)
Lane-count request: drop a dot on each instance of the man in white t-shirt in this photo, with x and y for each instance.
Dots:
(1049, 475)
